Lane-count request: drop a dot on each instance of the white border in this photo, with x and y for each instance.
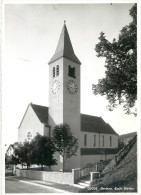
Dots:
(2, 155)
(66, 1)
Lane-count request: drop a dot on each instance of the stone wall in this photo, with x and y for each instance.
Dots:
(56, 177)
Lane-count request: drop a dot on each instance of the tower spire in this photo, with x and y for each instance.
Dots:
(64, 47)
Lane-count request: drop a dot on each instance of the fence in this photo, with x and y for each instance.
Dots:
(93, 167)
(122, 153)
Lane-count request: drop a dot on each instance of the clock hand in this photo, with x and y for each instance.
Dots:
(54, 87)
(70, 86)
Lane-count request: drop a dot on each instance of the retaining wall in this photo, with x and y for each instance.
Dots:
(56, 177)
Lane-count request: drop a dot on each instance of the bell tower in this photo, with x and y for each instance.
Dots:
(64, 91)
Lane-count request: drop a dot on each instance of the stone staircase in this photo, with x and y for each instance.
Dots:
(83, 183)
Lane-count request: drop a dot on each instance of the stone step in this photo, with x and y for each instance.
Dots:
(83, 184)
(79, 186)
(86, 181)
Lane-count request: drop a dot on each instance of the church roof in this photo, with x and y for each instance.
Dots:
(88, 123)
(41, 112)
(95, 124)
(64, 48)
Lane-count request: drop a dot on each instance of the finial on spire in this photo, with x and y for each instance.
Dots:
(64, 21)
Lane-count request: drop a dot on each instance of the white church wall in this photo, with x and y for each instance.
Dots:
(56, 99)
(92, 159)
(106, 142)
(98, 140)
(65, 107)
(110, 156)
(59, 165)
(71, 109)
(30, 123)
(56, 103)
(46, 131)
(90, 139)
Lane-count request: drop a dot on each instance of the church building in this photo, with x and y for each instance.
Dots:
(97, 140)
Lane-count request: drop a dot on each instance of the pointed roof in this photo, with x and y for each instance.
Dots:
(64, 48)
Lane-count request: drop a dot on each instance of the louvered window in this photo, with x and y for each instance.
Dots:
(53, 71)
(71, 72)
(57, 70)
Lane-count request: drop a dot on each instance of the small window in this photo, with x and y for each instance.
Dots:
(57, 70)
(29, 136)
(53, 71)
(110, 141)
(71, 72)
(85, 140)
(103, 140)
(94, 140)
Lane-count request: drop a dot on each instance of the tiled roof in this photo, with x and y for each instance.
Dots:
(91, 151)
(88, 123)
(41, 112)
(64, 48)
(95, 124)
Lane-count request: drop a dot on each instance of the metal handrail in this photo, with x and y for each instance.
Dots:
(125, 150)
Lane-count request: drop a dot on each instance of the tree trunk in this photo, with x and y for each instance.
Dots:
(63, 159)
(63, 163)
(12, 170)
(63, 166)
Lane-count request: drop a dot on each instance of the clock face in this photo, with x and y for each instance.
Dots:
(72, 87)
(55, 87)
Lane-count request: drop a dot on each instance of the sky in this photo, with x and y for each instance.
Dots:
(31, 35)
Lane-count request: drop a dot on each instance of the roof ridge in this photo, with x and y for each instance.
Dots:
(91, 115)
(38, 105)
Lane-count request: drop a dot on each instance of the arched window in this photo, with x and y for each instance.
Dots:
(94, 140)
(103, 140)
(85, 140)
(110, 141)
(53, 71)
(57, 70)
